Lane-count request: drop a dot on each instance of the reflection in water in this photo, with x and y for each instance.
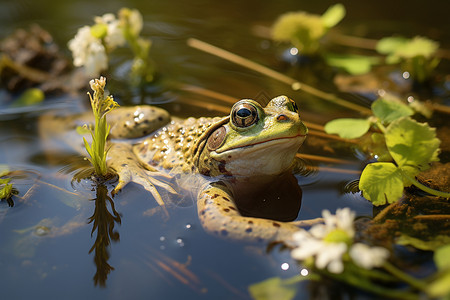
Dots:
(103, 222)
(279, 199)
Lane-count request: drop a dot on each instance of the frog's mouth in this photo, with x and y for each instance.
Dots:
(267, 143)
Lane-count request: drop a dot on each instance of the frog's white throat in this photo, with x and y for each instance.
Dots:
(269, 158)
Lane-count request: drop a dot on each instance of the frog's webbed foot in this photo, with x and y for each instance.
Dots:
(220, 216)
(127, 166)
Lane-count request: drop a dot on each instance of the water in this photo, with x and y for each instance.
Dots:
(46, 238)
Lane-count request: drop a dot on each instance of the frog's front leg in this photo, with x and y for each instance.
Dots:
(219, 215)
(126, 164)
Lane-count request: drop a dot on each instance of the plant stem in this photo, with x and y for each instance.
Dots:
(418, 284)
(425, 188)
(381, 126)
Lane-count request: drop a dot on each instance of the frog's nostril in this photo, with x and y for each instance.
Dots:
(282, 117)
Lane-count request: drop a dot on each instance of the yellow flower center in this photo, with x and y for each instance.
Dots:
(338, 236)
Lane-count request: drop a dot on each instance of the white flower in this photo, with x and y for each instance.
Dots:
(79, 45)
(96, 59)
(326, 242)
(368, 257)
(114, 36)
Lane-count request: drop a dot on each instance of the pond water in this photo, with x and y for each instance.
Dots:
(50, 249)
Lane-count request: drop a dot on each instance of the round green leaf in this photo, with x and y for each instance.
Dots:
(412, 144)
(381, 183)
(348, 128)
(389, 45)
(31, 96)
(333, 15)
(353, 64)
(389, 110)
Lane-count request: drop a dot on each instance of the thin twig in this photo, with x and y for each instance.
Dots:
(433, 217)
(294, 84)
(324, 159)
(334, 170)
(382, 214)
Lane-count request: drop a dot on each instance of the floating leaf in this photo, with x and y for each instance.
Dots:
(381, 183)
(412, 145)
(333, 15)
(274, 288)
(348, 128)
(430, 245)
(389, 45)
(353, 64)
(31, 96)
(389, 110)
(421, 108)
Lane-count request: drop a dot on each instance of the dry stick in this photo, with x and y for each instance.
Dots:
(334, 170)
(324, 159)
(432, 217)
(295, 85)
(27, 72)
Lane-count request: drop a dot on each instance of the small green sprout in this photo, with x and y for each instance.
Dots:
(7, 189)
(404, 148)
(417, 56)
(304, 30)
(101, 105)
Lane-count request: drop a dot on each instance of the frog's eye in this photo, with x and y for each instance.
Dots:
(244, 114)
(292, 106)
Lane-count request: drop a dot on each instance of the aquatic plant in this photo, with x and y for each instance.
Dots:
(417, 56)
(6, 188)
(305, 30)
(328, 243)
(92, 45)
(402, 146)
(330, 250)
(101, 105)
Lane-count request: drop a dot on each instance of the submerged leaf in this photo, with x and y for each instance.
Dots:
(348, 128)
(388, 110)
(381, 183)
(411, 144)
(333, 15)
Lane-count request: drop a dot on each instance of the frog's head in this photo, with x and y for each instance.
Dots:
(253, 140)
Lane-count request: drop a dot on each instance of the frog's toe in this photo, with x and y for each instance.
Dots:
(147, 181)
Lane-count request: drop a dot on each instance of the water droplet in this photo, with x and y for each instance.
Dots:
(180, 242)
(293, 51)
(304, 272)
(284, 266)
(188, 226)
(406, 75)
(162, 238)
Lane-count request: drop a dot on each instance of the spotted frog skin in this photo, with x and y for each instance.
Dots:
(254, 144)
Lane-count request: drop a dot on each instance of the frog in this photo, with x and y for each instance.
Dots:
(252, 146)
